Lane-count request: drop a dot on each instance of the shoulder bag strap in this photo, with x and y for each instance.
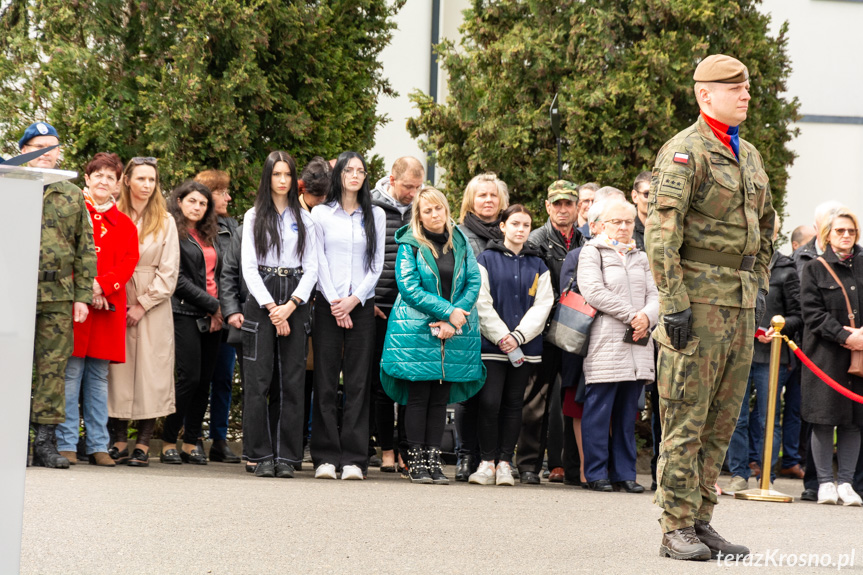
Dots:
(842, 287)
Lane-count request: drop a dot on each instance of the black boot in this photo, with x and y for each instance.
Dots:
(417, 465)
(220, 451)
(463, 468)
(45, 452)
(434, 466)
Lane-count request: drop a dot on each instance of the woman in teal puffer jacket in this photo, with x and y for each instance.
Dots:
(432, 348)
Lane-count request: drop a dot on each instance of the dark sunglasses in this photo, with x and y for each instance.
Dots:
(141, 160)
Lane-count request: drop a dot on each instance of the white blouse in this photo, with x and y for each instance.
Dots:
(342, 249)
(287, 259)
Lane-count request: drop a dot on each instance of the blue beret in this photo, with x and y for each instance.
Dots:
(37, 129)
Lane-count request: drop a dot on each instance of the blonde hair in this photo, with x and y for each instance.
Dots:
(827, 225)
(153, 219)
(434, 197)
(471, 190)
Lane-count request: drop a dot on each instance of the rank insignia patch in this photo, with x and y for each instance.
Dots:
(672, 185)
(681, 158)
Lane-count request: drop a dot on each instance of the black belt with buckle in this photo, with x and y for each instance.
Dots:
(54, 275)
(283, 272)
(710, 257)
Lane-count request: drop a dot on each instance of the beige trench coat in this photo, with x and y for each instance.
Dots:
(143, 387)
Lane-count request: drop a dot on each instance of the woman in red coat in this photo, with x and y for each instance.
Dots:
(100, 340)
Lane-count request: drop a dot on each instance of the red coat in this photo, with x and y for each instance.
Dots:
(103, 335)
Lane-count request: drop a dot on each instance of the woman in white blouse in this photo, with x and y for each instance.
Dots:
(350, 235)
(280, 268)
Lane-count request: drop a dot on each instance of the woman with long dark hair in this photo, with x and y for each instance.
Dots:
(350, 234)
(280, 268)
(197, 319)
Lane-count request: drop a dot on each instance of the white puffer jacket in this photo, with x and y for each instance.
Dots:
(618, 289)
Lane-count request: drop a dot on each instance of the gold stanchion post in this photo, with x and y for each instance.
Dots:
(765, 493)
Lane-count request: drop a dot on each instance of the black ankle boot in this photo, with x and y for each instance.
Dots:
(45, 452)
(434, 466)
(417, 468)
(463, 468)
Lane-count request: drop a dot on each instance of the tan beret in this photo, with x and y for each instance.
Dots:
(721, 68)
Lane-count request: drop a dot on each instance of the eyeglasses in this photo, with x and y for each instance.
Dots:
(845, 231)
(144, 160)
(617, 222)
(358, 171)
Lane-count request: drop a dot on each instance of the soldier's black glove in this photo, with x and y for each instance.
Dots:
(760, 306)
(677, 327)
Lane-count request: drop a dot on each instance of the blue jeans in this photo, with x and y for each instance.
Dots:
(220, 391)
(88, 378)
(747, 441)
(790, 416)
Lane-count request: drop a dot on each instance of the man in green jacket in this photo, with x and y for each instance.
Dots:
(67, 268)
(708, 238)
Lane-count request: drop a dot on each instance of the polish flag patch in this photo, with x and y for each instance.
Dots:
(681, 158)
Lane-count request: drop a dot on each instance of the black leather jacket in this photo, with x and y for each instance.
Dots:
(550, 244)
(782, 299)
(233, 292)
(386, 289)
(191, 297)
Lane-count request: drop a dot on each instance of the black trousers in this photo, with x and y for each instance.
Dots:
(534, 425)
(500, 406)
(382, 406)
(554, 447)
(466, 413)
(346, 352)
(275, 372)
(195, 361)
(425, 412)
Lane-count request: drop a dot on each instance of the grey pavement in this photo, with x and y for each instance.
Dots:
(220, 520)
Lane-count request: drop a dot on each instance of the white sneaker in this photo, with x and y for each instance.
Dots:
(847, 495)
(827, 494)
(504, 474)
(352, 472)
(736, 484)
(325, 471)
(484, 475)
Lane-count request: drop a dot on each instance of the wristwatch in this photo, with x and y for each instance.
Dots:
(297, 301)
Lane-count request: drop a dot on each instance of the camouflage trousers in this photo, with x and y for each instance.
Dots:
(53, 345)
(701, 388)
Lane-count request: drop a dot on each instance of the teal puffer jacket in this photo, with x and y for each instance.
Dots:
(411, 352)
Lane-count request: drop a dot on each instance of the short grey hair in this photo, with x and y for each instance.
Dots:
(595, 211)
(613, 204)
(608, 193)
(825, 209)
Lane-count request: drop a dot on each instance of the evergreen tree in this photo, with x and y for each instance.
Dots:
(623, 71)
(196, 83)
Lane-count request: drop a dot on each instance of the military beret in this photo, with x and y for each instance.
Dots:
(37, 129)
(562, 190)
(721, 68)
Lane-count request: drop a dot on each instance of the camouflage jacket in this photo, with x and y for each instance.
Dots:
(67, 246)
(702, 197)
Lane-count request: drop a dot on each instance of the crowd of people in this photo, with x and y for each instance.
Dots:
(358, 314)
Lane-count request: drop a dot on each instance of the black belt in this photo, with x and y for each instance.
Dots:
(283, 272)
(55, 275)
(734, 261)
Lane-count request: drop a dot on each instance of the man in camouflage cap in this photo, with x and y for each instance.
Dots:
(67, 268)
(709, 241)
(554, 240)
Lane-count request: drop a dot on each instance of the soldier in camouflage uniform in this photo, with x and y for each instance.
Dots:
(67, 268)
(709, 241)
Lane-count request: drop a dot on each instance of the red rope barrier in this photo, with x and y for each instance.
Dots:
(826, 378)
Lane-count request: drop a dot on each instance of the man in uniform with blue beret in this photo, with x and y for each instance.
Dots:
(709, 241)
(67, 269)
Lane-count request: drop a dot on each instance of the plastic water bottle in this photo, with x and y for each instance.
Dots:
(516, 357)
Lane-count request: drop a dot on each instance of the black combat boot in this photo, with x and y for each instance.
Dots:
(463, 468)
(683, 544)
(434, 466)
(417, 468)
(45, 452)
(717, 543)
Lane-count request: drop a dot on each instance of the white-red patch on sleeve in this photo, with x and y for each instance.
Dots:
(681, 158)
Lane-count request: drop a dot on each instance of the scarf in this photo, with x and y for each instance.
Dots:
(729, 136)
(620, 247)
(485, 230)
(100, 209)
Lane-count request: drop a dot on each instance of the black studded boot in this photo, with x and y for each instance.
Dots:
(417, 467)
(45, 452)
(435, 467)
